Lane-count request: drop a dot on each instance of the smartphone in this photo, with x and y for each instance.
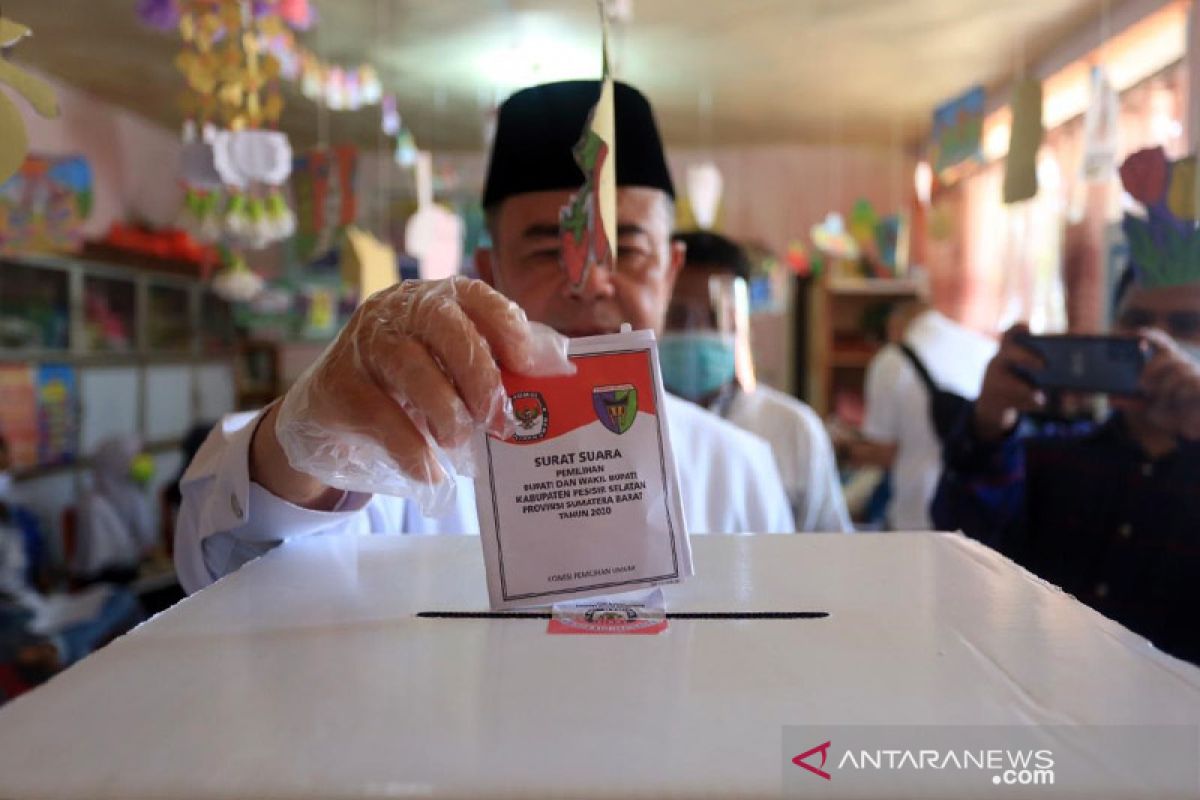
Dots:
(1104, 364)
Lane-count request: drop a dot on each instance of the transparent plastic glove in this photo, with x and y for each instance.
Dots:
(392, 405)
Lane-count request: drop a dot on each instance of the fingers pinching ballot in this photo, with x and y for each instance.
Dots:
(392, 404)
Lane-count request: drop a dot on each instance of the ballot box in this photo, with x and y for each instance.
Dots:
(310, 674)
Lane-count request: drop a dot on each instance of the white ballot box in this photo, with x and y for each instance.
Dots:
(309, 674)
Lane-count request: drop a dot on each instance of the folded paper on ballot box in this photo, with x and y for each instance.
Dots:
(583, 499)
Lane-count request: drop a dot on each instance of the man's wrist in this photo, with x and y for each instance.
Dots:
(991, 428)
(270, 469)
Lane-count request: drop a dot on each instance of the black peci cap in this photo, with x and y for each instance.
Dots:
(537, 128)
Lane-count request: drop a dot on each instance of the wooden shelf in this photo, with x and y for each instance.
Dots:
(839, 347)
(850, 360)
(875, 287)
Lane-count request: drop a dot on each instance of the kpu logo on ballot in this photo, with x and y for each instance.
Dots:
(529, 409)
(583, 500)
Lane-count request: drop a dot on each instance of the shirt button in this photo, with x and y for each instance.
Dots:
(1125, 531)
(235, 506)
(1101, 590)
(1147, 470)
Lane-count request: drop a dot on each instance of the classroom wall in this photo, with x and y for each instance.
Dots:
(131, 157)
(772, 195)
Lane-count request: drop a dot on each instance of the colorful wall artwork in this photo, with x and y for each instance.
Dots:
(43, 206)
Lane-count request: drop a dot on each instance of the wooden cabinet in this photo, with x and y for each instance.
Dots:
(846, 329)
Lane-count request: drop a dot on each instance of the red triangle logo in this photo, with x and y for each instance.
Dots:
(823, 749)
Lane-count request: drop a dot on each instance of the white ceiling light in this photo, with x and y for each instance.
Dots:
(538, 57)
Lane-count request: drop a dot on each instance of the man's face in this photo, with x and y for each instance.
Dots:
(1174, 310)
(525, 264)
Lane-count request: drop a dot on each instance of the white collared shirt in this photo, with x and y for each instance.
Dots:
(728, 484)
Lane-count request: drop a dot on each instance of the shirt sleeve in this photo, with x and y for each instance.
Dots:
(882, 422)
(982, 488)
(822, 507)
(225, 520)
(766, 504)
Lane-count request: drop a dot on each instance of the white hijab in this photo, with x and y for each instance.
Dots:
(114, 522)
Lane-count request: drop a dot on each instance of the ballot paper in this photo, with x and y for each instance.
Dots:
(583, 500)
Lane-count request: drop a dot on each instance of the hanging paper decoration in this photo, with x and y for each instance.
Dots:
(1100, 130)
(406, 149)
(161, 15)
(298, 14)
(1164, 245)
(323, 187)
(1020, 167)
(704, 186)
(236, 283)
(433, 235)
(14, 143)
(164, 15)
(957, 133)
(338, 87)
(233, 176)
(366, 263)
(587, 224)
(389, 116)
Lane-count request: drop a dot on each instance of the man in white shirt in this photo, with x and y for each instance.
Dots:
(415, 373)
(898, 429)
(705, 355)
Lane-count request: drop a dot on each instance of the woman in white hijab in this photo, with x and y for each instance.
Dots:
(115, 527)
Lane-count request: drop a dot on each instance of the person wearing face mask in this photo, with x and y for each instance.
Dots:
(705, 355)
(1110, 512)
(384, 417)
(115, 529)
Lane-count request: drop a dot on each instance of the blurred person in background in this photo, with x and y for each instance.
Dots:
(43, 632)
(705, 357)
(172, 498)
(115, 527)
(1110, 510)
(928, 356)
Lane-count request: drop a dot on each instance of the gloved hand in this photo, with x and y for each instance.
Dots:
(392, 405)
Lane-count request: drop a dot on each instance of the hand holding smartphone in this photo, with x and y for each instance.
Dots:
(1103, 364)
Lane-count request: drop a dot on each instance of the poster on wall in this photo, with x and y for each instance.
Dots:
(18, 413)
(44, 205)
(56, 419)
(957, 134)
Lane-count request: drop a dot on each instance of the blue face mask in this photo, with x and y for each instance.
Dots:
(696, 364)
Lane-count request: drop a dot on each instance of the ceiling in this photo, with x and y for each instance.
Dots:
(718, 71)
